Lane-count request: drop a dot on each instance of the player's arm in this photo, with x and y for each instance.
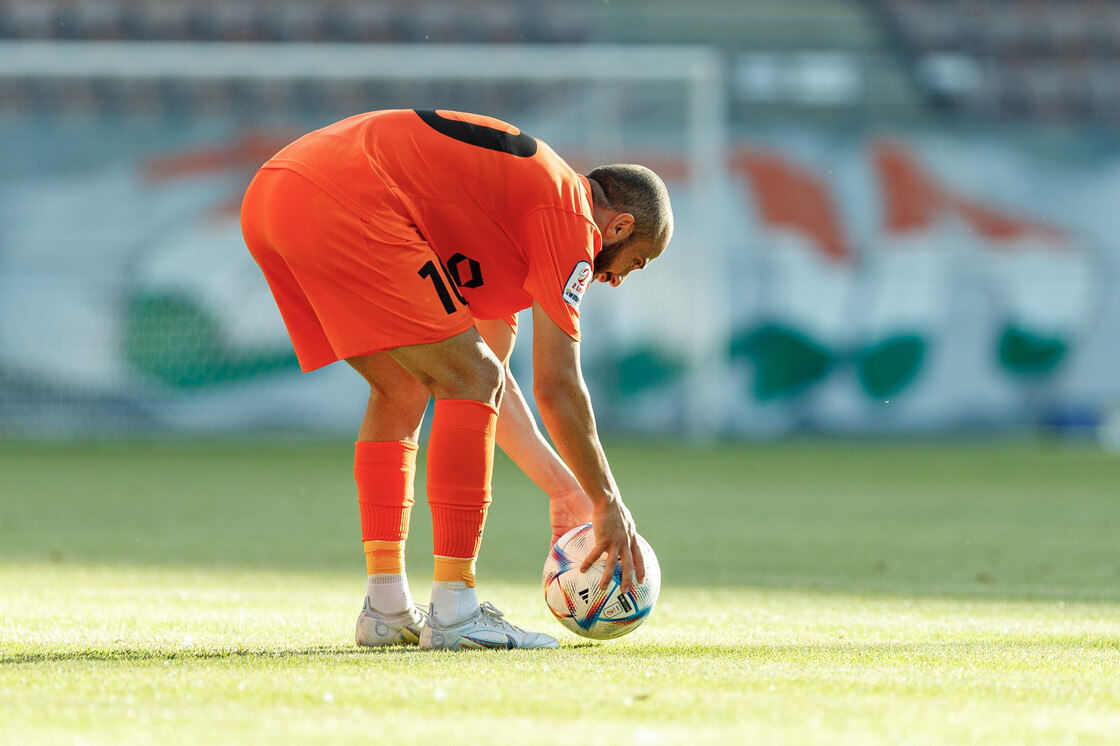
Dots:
(521, 439)
(565, 407)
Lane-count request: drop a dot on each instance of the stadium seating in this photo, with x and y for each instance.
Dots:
(494, 21)
(406, 21)
(1024, 60)
(847, 29)
(1051, 61)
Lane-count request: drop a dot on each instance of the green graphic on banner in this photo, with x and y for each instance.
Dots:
(176, 341)
(889, 366)
(644, 368)
(786, 362)
(1025, 353)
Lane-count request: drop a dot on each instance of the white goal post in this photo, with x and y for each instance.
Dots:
(698, 271)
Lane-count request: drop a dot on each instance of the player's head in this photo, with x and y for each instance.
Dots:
(634, 215)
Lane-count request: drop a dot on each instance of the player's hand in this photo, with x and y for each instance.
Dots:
(617, 538)
(567, 511)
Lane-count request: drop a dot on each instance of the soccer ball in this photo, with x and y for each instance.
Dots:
(576, 599)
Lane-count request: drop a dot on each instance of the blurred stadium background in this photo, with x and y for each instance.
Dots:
(895, 216)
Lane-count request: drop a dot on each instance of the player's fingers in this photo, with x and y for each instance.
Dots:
(593, 556)
(627, 569)
(639, 562)
(608, 572)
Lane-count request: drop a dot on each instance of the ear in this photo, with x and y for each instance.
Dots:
(621, 226)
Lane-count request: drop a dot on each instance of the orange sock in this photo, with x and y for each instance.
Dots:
(384, 557)
(449, 569)
(460, 465)
(384, 473)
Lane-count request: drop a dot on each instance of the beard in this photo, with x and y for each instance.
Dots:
(606, 257)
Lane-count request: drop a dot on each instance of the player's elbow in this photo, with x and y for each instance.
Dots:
(555, 389)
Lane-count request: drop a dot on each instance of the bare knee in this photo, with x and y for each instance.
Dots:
(494, 380)
(481, 378)
(405, 395)
(461, 367)
(474, 373)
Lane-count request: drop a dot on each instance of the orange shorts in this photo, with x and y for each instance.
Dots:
(347, 284)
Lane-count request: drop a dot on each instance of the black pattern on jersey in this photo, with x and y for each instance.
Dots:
(521, 145)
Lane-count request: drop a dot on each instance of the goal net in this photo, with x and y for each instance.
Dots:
(128, 301)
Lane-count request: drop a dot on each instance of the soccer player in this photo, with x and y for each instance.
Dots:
(405, 242)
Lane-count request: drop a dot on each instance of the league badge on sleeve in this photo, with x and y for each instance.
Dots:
(577, 284)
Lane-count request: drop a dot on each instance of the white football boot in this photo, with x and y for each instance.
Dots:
(374, 630)
(486, 629)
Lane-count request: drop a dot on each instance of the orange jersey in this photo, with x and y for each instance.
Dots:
(510, 220)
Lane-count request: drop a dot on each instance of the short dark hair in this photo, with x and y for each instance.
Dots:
(639, 191)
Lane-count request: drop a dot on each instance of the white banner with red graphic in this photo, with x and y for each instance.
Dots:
(911, 283)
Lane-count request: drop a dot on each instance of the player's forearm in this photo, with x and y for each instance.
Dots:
(523, 442)
(570, 420)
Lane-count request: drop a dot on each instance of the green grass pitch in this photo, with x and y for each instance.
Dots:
(814, 593)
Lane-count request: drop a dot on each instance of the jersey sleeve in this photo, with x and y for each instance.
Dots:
(560, 247)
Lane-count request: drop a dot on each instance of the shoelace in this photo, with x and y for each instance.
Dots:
(492, 611)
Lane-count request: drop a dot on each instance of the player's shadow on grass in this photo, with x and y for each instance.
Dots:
(140, 655)
(340, 653)
(853, 653)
